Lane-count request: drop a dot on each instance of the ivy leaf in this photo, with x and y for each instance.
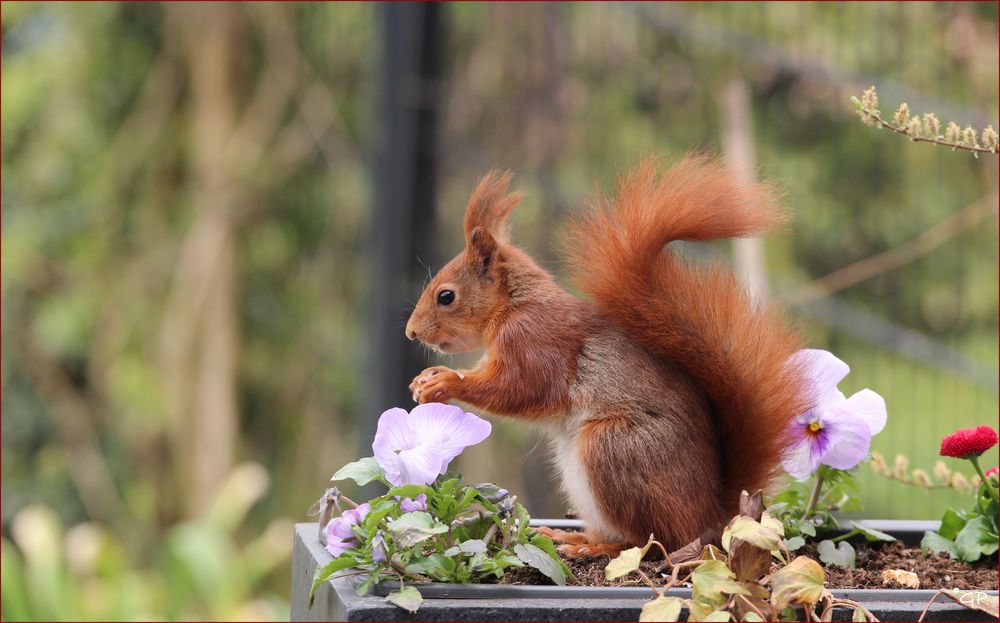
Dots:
(324, 573)
(539, 559)
(362, 472)
(412, 528)
(800, 582)
(712, 582)
(746, 529)
(626, 562)
(838, 554)
(407, 598)
(872, 534)
(934, 542)
(977, 600)
(975, 540)
(661, 609)
(718, 615)
(748, 561)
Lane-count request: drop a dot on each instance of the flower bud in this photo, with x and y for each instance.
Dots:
(931, 124)
(921, 479)
(914, 127)
(900, 468)
(969, 137)
(902, 115)
(960, 483)
(878, 464)
(942, 472)
(989, 138)
(952, 133)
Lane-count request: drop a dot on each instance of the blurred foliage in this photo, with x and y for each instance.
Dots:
(186, 214)
(87, 573)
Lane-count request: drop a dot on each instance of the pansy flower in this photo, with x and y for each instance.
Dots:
(838, 430)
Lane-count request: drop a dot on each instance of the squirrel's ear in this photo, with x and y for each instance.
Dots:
(491, 204)
(481, 250)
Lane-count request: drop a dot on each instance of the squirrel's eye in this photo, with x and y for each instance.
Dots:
(446, 297)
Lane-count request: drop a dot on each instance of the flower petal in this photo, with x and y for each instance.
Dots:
(339, 529)
(337, 547)
(870, 407)
(849, 437)
(805, 452)
(395, 431)
(825, 370)
(449, 427)
(419, 466)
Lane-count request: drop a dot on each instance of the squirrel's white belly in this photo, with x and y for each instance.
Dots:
(576, 481)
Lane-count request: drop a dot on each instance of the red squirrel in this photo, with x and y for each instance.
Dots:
(667, 393)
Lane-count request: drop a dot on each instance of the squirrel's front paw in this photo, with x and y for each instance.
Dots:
(432, 385)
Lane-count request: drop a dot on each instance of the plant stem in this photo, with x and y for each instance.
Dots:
(982, 476)
(844, 537)
(813, 497)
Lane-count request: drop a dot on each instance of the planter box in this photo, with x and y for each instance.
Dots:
(337, 600)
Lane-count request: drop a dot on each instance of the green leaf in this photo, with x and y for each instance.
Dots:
(859, 616)
(712, 583)
(409, 491)
(661, 609)
(872, 534)
(755, 533)
(362, 472)
(800, 582)
(794, 543)
(540, 559)
(437, 566)
(413, 528)
(407, 598)
(626, 562)
(473, 546)
(934, 542)
(838, 554)
(752, 616)
(857, 103)
(324, 573)
(718, 615)
(807, 527)
(975, 540)
(951, 524)
(977, 600)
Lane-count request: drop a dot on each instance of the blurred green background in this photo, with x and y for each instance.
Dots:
(191, 244)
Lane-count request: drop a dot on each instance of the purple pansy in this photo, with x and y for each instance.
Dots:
(415, 448)
(418, 503)
(838, 430)
(339, 535)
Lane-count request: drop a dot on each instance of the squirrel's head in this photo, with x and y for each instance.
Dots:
(455, 308)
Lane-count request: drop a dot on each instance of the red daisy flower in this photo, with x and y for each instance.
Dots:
(969, 442)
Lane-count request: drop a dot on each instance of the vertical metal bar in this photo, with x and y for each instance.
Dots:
(403, 174)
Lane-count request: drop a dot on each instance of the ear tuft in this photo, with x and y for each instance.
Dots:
(482, 250)
(491, 204)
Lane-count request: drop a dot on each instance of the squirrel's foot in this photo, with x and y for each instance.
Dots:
(576, 544)
(590, 550)
(427, 386)
(573, 537)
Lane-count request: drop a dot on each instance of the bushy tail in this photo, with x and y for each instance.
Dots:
(698, 317)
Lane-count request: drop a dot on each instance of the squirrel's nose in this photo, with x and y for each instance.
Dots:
(411, 333)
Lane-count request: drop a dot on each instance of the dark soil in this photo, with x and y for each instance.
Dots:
(933, 570)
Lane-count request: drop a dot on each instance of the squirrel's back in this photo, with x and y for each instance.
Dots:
(697, 317)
